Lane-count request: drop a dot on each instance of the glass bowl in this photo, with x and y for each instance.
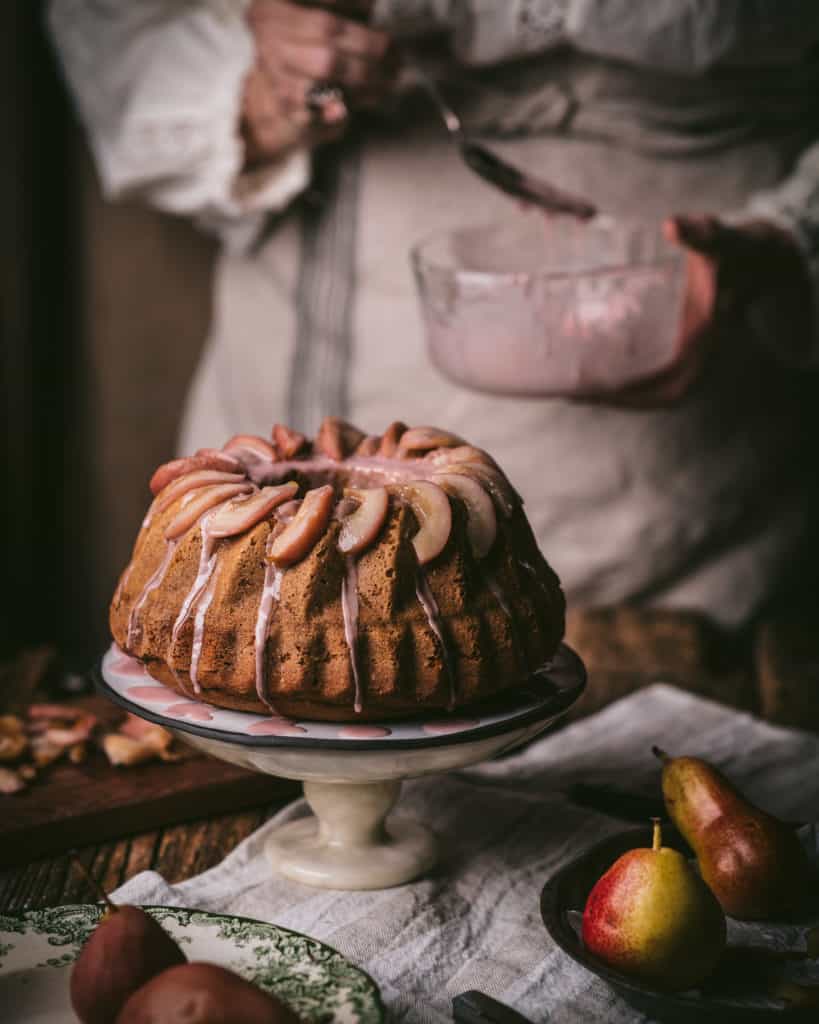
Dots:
(550, 306)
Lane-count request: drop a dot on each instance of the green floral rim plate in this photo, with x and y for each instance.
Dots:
(38, 947)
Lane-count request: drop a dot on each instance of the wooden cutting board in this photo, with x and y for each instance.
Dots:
(76, 805)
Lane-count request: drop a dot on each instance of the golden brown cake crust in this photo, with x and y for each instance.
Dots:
(501, 616)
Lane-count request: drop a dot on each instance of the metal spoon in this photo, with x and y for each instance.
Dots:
(497, 171)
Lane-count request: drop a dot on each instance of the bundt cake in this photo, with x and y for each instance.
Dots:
(350, 578)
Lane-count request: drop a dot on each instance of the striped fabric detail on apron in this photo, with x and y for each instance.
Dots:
(325, 292)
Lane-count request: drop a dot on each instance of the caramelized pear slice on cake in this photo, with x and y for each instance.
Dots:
(192, 482)
(431, 508)
(481, 523)
(169, 471)
(362, 526)
(337, 439)
(246, 511)
(297, 538)
(506, 499)
(202, 501)
(289, 443)
(420, 440)
(369, 445)
(390, 439)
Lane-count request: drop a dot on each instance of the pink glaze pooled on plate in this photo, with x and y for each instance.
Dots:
(363, 732)
(275, 727)
(198, 712)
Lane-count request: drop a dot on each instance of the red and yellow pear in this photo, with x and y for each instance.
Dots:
(652, 917)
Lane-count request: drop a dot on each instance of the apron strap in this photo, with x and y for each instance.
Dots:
(325, 291)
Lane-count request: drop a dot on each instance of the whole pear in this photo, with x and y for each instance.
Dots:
(651, 916)
(202, 993)
(752, 862)
(126, 949)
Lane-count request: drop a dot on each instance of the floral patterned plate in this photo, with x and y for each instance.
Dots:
(38, 947)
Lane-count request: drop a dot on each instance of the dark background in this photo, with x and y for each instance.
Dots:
(103, 311)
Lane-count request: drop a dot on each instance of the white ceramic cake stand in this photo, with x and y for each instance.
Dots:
(351, 774)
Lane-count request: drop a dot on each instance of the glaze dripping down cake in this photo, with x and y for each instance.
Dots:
(347, 578)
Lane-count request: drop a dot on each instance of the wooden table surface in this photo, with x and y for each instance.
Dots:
(772, 671)
(176, 852)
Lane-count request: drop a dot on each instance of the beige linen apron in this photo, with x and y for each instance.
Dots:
(699, 506)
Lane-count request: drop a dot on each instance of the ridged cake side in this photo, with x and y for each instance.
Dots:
(307, 659)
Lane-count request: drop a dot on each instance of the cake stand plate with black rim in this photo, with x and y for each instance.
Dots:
(351, 773)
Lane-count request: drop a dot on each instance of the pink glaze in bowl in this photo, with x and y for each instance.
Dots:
(550, 306)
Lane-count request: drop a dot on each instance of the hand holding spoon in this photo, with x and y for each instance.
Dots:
(497, 171)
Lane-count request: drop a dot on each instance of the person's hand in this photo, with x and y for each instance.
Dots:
(298, 49)
(733, 272)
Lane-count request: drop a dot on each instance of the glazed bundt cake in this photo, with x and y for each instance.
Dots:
(350, 578)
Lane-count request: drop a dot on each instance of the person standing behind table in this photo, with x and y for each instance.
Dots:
(688, 490)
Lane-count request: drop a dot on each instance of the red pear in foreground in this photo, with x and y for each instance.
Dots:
(203, 994)
(652, 917)
(752, 862)
(126, 949)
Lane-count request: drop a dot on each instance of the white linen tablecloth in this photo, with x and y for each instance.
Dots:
(505, 827)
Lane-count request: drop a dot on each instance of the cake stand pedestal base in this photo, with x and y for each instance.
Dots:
(349, 844)
(351, 777)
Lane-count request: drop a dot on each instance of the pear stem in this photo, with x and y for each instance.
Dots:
(657, 837)
(95, 885)
(660, 754)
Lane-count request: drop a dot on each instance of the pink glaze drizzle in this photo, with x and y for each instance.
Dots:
(207, 563)
(199, 632)
(500, 597)
(123, 582)
(134, 625)
(181, 682)
(373, 469)
(271, 592)
(349, 610)
(497, 590)
(430, 606)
